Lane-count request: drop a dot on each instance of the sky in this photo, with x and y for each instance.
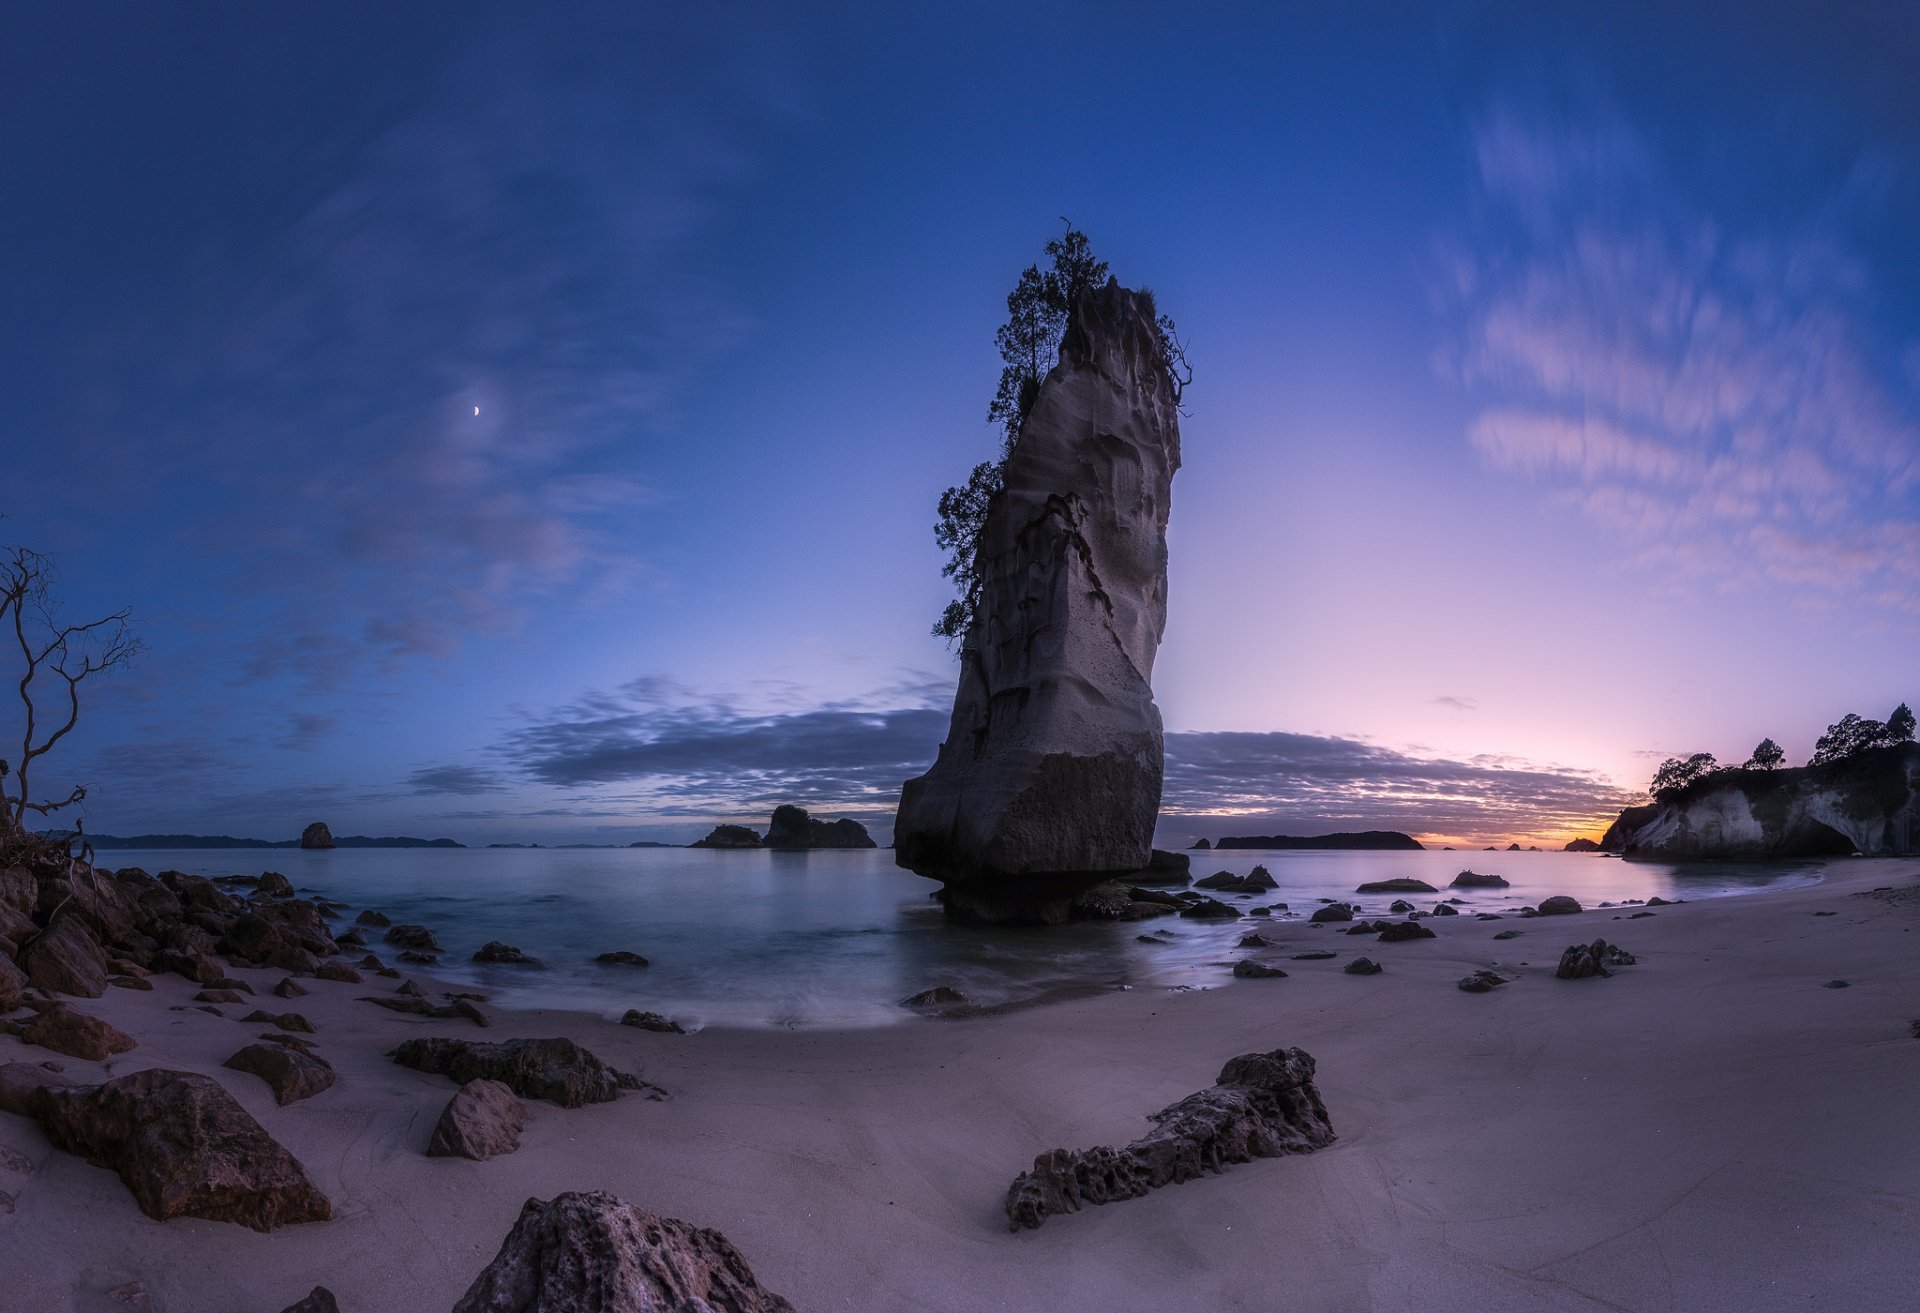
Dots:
(523, 423)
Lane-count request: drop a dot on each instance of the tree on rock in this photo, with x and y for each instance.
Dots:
(1767, 756)
(1851, 735)
(51, 659)
(1675, 775)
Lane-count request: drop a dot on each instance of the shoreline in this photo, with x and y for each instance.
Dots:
(1710, 1128)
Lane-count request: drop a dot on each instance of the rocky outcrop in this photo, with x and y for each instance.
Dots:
(1053, 760)
(1623, 827)
(728, 836)
(316, 835)
(793, 828)
(183, 1146)
(482, 1120)
(1262, 1105)
(557, 1070)
(593, 1251)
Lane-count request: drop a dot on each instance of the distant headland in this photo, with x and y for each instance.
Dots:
(1369, 839)
(104, 842)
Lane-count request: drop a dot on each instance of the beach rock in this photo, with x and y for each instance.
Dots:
(416, 937)
(374, 920)
(1163, 866)
(1400, 905)
(316, 835)
(1332, 912)
(290, 988)
(1313, 957)
(1475, 880)
(1480, 982)
(1441, 909)
(793, 828)
(1838, 984)
(1254, 939)
(66, 1029)
(289, 1070)
(482, 1120)
(621, 958)
(495, 951)
(13, 984)
(65, 959)
(275, 885)
(557, 1070)
(1581, 961)
(1362, 966)
(1248, 969)
(1508, 934)
(1259, 911)
(1218, 880)
(20, 1083)
(938, 996)
(1402, 885)
(285, 1021)
(1209, 909)
(1053, 758)
(1401, 931)
(1559, 905)
(319, 1300)
(129, 982)
(339, 972)
(1658, 901)
(728, 836)
(595, 1253)
(184, 1147)
(663, 1025)
(218, 996)
(1262, 1106)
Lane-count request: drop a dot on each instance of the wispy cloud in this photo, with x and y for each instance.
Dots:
(1453, 703)
(1713, 392)
(462, 780)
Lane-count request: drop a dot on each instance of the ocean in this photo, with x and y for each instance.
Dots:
(836, 938)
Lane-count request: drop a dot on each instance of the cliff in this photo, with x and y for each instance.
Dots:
(1868, 803)
(1053, 759)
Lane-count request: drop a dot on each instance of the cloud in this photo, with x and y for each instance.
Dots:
(463, 780)
(1457, 704)
(642, 750)
(1712, 389)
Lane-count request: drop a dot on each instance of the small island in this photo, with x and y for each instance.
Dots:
(790, 828)
(1375, 840)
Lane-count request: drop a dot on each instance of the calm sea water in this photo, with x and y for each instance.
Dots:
(839, 937)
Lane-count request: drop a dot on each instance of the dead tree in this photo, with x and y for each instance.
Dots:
(54, 660)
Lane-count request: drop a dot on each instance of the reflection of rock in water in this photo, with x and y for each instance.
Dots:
(1051, 771)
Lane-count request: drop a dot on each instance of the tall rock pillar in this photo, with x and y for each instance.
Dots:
(1049, 779)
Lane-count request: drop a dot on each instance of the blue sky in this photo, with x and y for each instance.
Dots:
(1557, 408)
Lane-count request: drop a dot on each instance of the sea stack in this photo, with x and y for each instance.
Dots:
(316, 835)
(1049, 780)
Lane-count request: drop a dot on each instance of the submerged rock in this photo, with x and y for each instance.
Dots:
(621, 958)
(1262, 1106)
(495, 951)
(1402, 885)
(1475, 880)
(557, 1070)
(318, 1300)
(1053, 759)
(938, 996)
(595, 1253)
(184, 1147)
(482, 1120)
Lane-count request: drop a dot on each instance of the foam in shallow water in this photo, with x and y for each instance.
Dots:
(837, 938)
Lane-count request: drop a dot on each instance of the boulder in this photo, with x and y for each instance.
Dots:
(1262, 1105)
(1400, 931)
(66, 1029)
(595, 1253)
(495, 951)
(290, 988)
(1480, 982)
(1248, 969)
(557, 1070)
(316, 835)
(1583, 961)
(1362, 966)
(938, 996)
(793, 828)
(184, 1147)
(653, 1021)
(1254, 939)
(373, 919)
(338, 972)
(289, 1070)
(1332, 912)
(13, 984)
(1559, 905)
(482, 1120)
(416, 937)
(621, 958)
(274, 885)
(1400, 905)
(1402, 885)
(1209, 909)
(65, 959)
(728, 836)
(285, 1021)
(1053, 760)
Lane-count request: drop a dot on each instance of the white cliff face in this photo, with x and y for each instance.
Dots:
(1053, 759)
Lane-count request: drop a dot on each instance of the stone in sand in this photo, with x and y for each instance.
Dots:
(184, 1147)
(482, 1120)
(1400, 931)
(1051, 772)
(338, 972)
(1559, 905)
(65, 959)
(1583, 961)
(1332, 912)
(1248, 969)
(66, 1029)
(1262, 1106)
(285, 1021)
(557, 1070)
(1481, 982)
(595, 1253)
(1362, 966)
(652, 1021)
(290, 1071)
(935, 997)
(290, 988)
(318, 1300)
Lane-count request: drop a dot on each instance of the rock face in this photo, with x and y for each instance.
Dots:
(1053, 760)
(1262, 1106)
(316, 835)
(483, 1120)
(183, 1147)
(595, 1252)
(557, 1070)
(1868, 803)
(793, 828)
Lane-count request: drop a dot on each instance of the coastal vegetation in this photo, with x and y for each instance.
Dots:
(1845, 739)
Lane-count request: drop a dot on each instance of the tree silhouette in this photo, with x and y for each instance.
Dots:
(1767, 756)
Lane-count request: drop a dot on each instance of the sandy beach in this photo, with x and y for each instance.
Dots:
(1712, 1128)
